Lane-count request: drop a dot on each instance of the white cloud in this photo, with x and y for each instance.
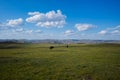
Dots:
(14, 22)
(83, 27)
(19, 30)
(115, 32)
(33, 13)
(111, 31)
(49, 19)
(51, 24)
(28, 31)
(69, 32)
(38, 31)
(114, 28)
(103, 32)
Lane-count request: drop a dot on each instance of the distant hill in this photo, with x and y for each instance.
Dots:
(64, 41)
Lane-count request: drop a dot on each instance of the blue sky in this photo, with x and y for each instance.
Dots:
(56, 19)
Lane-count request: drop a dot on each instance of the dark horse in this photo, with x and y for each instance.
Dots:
(67, 46)
(51, 47)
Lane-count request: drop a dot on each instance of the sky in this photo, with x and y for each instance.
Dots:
(60, 19)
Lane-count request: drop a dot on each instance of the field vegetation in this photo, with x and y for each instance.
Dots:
(77, 62)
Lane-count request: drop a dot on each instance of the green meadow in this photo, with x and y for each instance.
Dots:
(77, 62)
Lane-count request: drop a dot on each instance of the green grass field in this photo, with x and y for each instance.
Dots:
(77, 62)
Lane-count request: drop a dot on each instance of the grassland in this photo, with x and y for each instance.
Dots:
(77, 62)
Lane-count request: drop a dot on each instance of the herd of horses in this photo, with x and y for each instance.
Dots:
(51, 47)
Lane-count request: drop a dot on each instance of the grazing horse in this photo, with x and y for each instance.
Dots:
(67, 46)
(51, 47)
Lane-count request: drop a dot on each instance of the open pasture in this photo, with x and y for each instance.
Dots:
(77, 62)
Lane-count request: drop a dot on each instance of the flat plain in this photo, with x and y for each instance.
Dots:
(77, 62)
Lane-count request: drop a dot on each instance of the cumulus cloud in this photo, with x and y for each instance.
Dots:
(103, 32)
(49, 19)
(111, 31)
(12, 23)
(83, 27)
(69, 32)
(33, 13)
